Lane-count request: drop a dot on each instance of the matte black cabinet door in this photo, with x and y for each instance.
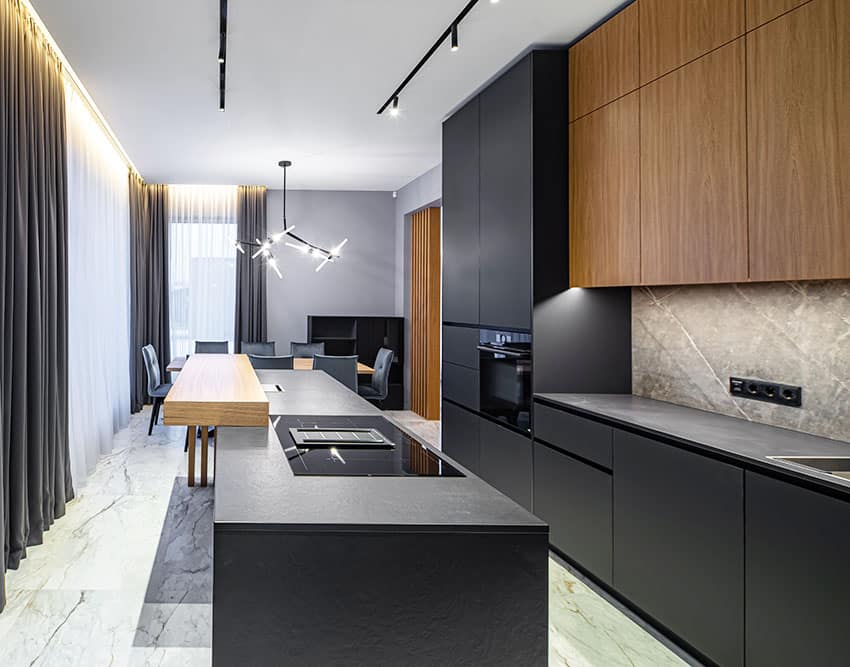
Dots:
(798, 575)
(679, 543)
(460, 215)
(575, 500)
(505, 272)
(506, 462)
(460, 435)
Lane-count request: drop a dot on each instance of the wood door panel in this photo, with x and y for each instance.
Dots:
(799, 144)
(604, 65)
(760, 12)
(425, 264)
(674, 32)
(604, 186)
(693, 172)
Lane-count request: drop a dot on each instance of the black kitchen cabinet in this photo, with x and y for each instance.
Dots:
(506, 461)
(574, 498)
(798, 575)
(505, 222)
(460, 384)
(460, 346)
(460, 435)
(460, 215)
(679, 543)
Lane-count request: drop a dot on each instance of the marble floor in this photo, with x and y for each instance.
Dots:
(125, 577)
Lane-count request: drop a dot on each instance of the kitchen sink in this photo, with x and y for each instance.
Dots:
(834, 465)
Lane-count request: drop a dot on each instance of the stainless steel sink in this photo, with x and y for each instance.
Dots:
(834, 465)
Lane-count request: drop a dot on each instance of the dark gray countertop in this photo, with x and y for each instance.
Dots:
(256, 489)
(737, 439)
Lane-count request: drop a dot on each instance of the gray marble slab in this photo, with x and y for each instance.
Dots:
(255, 487)
(728, 436)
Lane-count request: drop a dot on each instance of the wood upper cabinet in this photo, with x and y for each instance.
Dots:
(674, 32)
(693, 172)
(799, 144)
(604, 186)
(760, 12)
(604, 65)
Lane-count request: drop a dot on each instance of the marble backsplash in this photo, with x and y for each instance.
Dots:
(687, 341)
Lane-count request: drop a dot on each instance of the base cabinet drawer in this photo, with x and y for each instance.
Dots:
(679, 542)
(574, 498)
(460, 435)
(576, 435)
(798, 575)
(506, 462)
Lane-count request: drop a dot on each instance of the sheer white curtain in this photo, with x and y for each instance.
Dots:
(98, 289)
(202, 279)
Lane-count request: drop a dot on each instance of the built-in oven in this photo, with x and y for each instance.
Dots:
(505, 377)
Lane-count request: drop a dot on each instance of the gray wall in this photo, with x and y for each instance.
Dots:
(361, 283)
(426, 190)
(687, 341)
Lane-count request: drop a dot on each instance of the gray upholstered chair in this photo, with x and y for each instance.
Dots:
(342, 369)
(210, 347)
(283, 363)
(157, 389)
(306, 350)
(264, 349)
(380, 386)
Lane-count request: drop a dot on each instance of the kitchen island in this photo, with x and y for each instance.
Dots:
(378, 570)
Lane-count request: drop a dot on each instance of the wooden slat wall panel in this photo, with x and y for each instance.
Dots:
(425, 262)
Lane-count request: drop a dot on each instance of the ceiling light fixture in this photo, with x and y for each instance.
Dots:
(394, 108)
(450, 32)
(264, 247)
(222, 52)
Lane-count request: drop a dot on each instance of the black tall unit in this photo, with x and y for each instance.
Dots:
(345, 335)
(505, 265)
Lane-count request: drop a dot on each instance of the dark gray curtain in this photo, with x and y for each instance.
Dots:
(250, 320)
(35, 477)
(148, 283)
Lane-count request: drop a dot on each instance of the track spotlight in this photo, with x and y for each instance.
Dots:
(454, 37)
(394, 108)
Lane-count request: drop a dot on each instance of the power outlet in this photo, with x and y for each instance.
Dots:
(770, 392)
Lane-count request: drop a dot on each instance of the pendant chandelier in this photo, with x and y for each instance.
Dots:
(264, 247)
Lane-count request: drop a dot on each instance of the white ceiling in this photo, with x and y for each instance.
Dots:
(304, 80)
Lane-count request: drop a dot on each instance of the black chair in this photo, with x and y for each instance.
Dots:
(306, 350)
(210, 347)
(263, 349)
(380, 386)
(157, 390)
(259, 361)
(342, 369)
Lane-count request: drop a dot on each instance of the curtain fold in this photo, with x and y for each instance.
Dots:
(98, 297)
(35, 476)
(202, 264)
(250, 317)
(149, 302)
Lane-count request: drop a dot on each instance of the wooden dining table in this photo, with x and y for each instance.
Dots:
(299, 364)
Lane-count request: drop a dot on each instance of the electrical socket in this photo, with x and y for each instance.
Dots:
(770, 392)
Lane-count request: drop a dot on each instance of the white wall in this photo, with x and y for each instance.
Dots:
(426, 190)
(363, 282)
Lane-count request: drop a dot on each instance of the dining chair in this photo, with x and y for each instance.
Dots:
(259, 361)
(380, 387)
(265, 349)
(306, 350)
(342, 369)
(210, 347)
(157, 390)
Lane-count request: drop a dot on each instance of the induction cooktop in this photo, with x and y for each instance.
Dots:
(356, 447)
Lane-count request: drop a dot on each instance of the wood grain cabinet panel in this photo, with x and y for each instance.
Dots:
(693, 172)
(799, 144)
(604, 65)
(604, 186)
(760, 12)
(674, 32)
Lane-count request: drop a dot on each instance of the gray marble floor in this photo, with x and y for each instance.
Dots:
(125, 577)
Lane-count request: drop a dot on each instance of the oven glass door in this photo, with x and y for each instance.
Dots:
(505, 384)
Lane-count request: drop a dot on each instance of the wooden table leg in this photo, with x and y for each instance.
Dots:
(205, 442)
(190, 441)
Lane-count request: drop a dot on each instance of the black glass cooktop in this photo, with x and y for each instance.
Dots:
(356, 446)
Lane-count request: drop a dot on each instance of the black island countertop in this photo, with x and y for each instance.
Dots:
(255, 486)
(737, 439)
